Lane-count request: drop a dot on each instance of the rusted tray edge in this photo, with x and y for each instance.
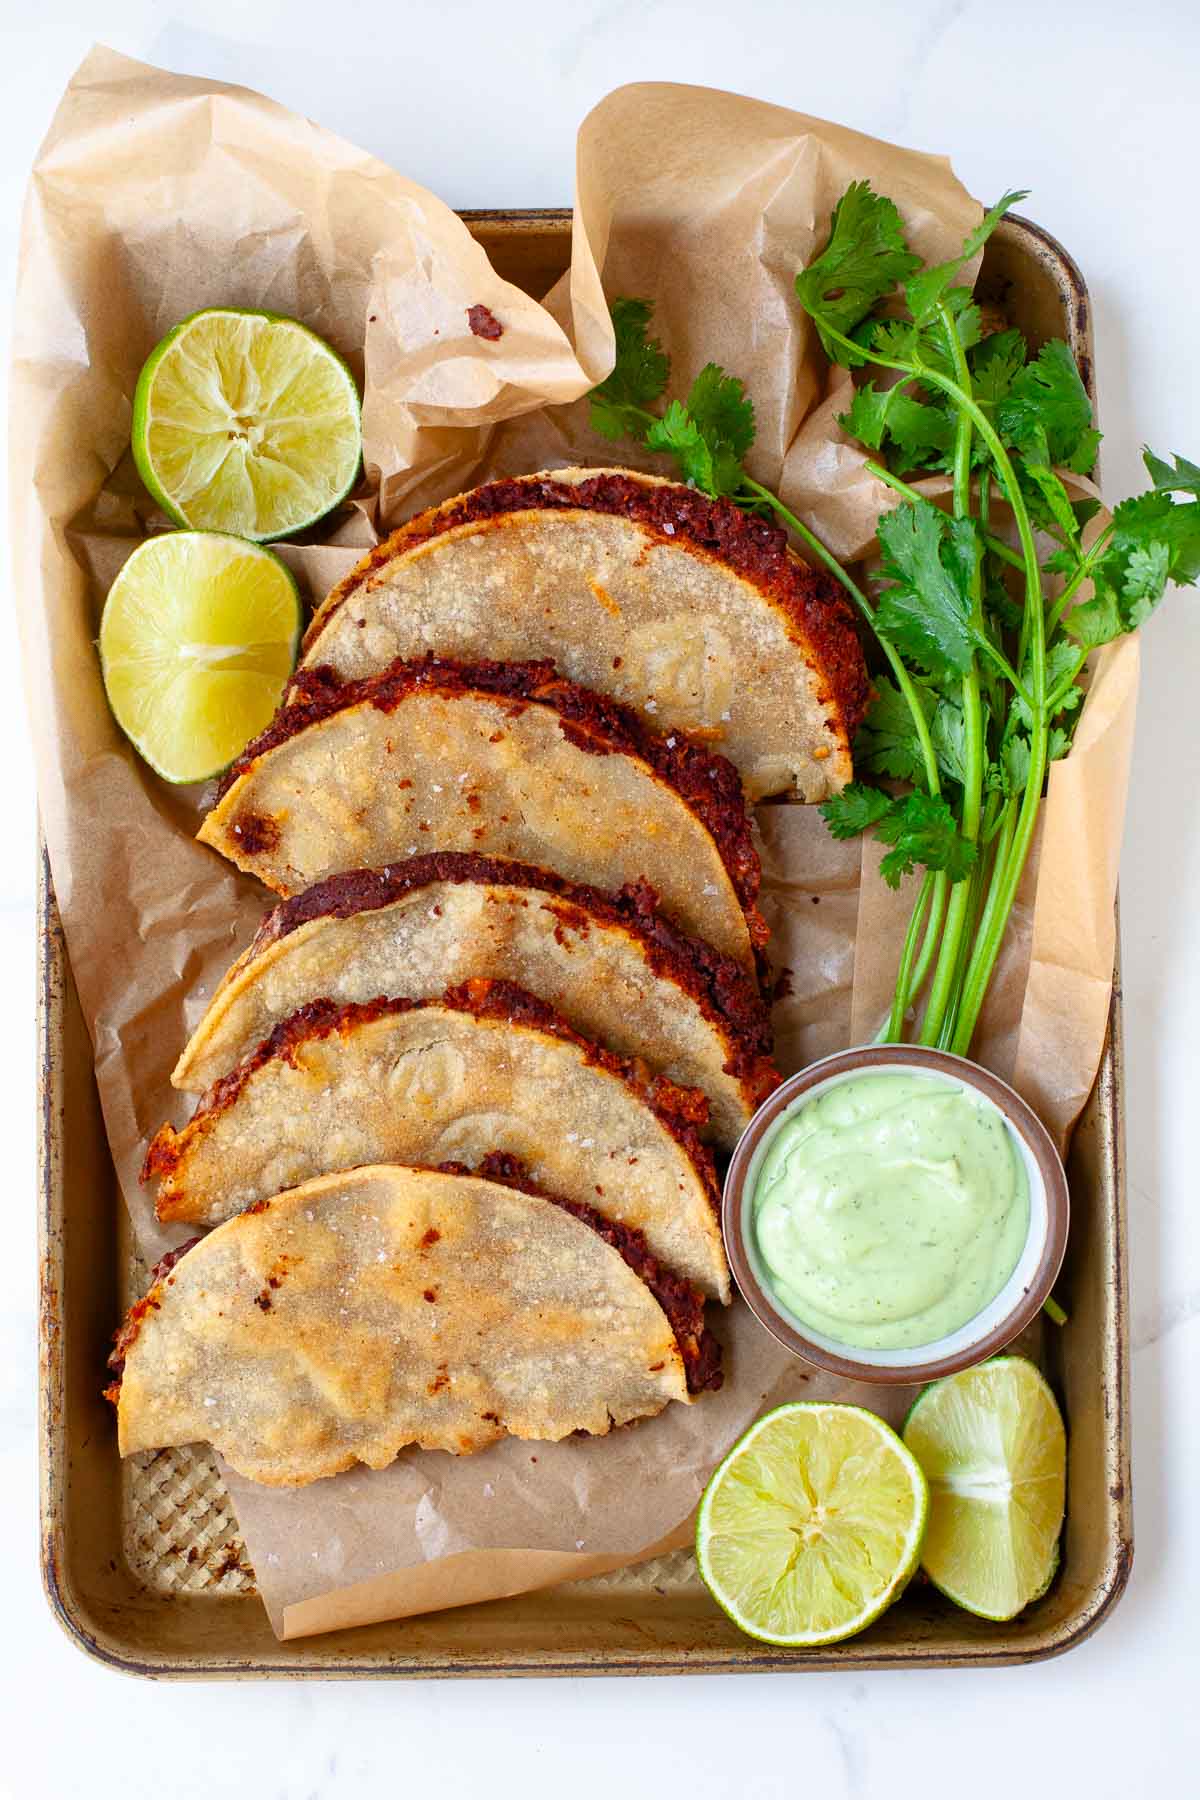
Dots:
(69, 1607)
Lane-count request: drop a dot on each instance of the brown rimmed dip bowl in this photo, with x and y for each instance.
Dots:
(1017, 1303)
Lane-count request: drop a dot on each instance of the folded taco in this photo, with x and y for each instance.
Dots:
(502, 759)
(686, 608)
(387, 1306)
(485, 1067)
(608, 962)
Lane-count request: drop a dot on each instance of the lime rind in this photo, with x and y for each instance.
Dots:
(275, 473)
(198, 639)
(993, 1447)
(774, 1526)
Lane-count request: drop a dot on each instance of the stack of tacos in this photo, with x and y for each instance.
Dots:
(460, 1097)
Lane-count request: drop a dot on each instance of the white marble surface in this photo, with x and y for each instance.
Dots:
(1093, 106)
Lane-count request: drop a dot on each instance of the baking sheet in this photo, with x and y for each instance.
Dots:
(147, 1617)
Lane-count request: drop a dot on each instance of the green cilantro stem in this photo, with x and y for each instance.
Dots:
(946, 974)
(1009, 867)
(1004, 551)
(933, 935)
(980, 880)
(904, 976)
(987, 924)
(882, 473)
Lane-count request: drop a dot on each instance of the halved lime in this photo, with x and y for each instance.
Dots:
(812, 1525)
(994, 1451)
(198, 639)
(246, 422)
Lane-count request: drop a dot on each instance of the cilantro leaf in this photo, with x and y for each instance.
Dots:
(638, 376)
(949, 733)
(916, 431)
(1053, 507)
(887, 741)
(855, 809)
(1155, 516)
(1058, 743)
(709, 433)
(1184, 478)
(996, 364)
(611, 419)
(867, 416)
(1082, 459)
(926, 612)
(1016, 755)
(1145, 582)
(713, 468)
(927, 290)
(998, 603)
(1049, 394)
(863, 260)
(893, 338)
(962, 550)
(922, 829)
(1097, 621)
(677, 434)
(1011, 773)
(722, 409)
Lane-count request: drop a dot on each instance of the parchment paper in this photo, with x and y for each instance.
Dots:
(155, 194)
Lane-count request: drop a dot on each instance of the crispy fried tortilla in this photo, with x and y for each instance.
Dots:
(686, 608)
(609, 963)
(485, 1067)
(502, 759)
(388, 1306)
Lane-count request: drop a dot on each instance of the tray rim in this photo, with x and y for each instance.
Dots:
(68, 1607)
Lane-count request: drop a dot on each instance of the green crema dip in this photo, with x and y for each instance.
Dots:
(890, 1209)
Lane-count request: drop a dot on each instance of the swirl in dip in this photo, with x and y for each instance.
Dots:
(889, 1209)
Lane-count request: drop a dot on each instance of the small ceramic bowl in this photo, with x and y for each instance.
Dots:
(998, 1323)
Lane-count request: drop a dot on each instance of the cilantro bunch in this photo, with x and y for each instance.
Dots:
(983, 645)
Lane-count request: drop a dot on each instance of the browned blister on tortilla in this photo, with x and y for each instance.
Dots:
(503, 759)
(609, 963)
(387, 1306)
(690, 610)
(485, 1067)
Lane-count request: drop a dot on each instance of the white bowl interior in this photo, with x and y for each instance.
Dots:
(1005, 1302)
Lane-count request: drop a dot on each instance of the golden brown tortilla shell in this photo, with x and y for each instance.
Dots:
(663, 625)
(389, 1306)
(597, 973)
(472, 771)
(437, 1084)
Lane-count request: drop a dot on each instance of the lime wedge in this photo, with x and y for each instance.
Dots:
(198, 639)
(994, 1451)
(246, 422)
(812, 1525)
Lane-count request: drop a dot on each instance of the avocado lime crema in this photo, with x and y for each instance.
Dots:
(889, 1209)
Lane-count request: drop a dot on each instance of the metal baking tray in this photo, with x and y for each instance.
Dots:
(142, 1563)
